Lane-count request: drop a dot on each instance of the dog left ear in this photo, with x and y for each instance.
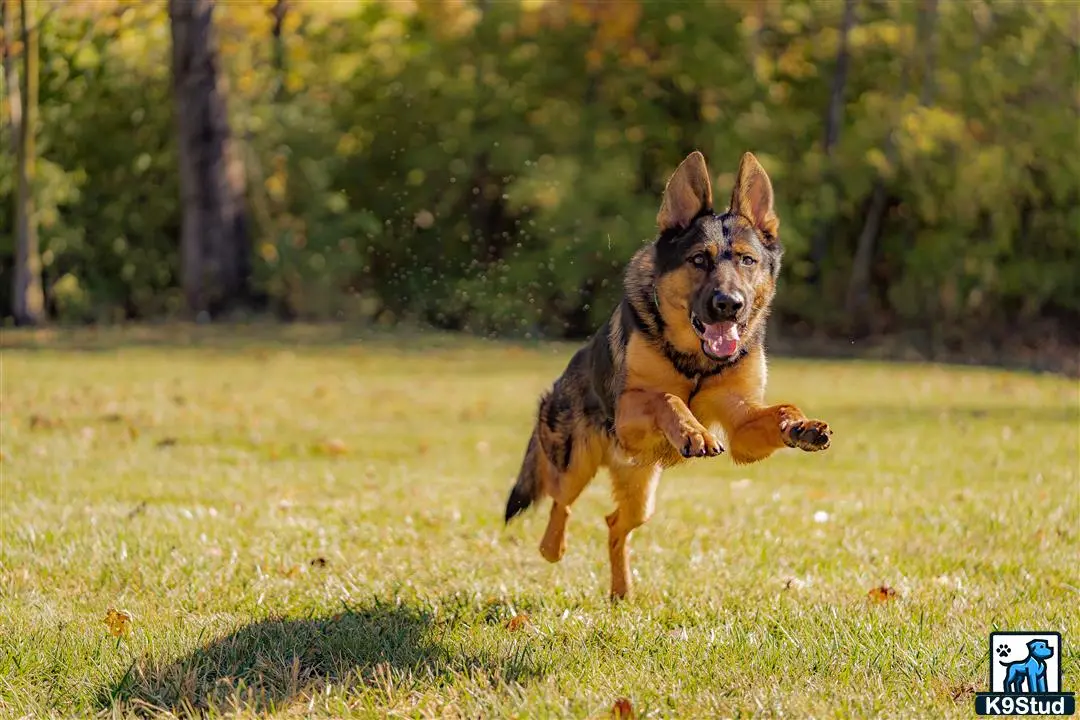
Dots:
(753, 199)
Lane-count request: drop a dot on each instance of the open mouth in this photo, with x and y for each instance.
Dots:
(718, 340)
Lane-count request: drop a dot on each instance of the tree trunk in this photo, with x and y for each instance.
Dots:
(834, 119)
(858, 294)
(928, 16)
(11, 78)
(278, 13)
(28, 298)
(214, 245)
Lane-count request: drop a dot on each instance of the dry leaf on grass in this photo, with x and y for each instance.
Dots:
(336, 446)
(881, 594)
(118, 622)
(622, 710)
(518, 622)
(44, 423)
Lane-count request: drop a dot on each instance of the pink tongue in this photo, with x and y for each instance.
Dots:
(721, 339)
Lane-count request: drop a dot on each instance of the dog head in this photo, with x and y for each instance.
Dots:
(1040, 649)
(716, 273)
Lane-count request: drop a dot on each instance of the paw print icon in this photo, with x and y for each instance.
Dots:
(1002, 651)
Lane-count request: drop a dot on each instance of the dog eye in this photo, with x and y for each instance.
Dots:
(700, 260)
(747, 260)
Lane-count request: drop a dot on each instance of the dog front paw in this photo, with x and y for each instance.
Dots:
(808, 435)
(696, 441)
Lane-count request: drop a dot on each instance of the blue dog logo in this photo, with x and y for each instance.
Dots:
(1030, 671)
(1031, 686)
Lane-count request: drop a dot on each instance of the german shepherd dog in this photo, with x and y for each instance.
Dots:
(682, 354)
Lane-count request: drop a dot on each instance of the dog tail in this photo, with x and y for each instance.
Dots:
(529, 483)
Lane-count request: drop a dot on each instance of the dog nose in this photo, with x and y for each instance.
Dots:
(727, 305)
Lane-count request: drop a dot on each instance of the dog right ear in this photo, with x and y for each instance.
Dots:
(688, 193)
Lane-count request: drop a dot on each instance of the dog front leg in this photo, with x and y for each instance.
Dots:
(767, 429)
(755, 431)
(644, 416)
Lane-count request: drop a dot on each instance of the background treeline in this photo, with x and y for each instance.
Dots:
(490, 166)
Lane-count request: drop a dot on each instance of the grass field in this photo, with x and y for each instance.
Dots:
(300, 526)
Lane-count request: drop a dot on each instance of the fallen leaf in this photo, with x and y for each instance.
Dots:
(118, 622)
(518, 622)
(962, 691)
(45, 423)
(622, 710)
(881, 594)
(335, 446)
(794, 583)
(319, 562)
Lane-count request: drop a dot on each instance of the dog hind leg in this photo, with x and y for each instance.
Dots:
(634, 489)
(564, 488)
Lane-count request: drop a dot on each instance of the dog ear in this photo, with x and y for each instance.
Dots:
(753, 198)
(688, 193)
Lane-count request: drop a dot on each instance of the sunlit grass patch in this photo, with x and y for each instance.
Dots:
(314, 526)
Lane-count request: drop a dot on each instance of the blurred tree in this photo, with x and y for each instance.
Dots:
(215, 247)
(834, 119)
(28, 299)
(857, 301)
(278, 12)
(491, 166)
(12, 94)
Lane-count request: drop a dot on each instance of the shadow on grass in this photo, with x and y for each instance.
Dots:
(270, 664)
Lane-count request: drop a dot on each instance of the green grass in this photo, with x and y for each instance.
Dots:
(305, 527)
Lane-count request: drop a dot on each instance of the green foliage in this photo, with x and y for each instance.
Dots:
(493, 169)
